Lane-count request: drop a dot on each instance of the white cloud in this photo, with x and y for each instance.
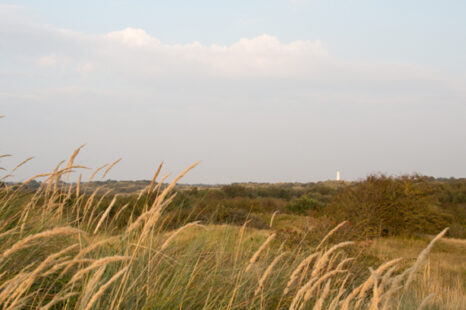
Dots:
(258, 102)
(133, 37)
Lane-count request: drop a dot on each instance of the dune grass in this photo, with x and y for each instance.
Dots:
(61, 249)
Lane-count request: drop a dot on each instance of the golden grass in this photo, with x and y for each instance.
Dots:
(57, 253)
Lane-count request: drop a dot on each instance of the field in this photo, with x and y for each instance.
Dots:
(87, 245)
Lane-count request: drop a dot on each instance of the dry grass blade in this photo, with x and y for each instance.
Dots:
(320, 264)
(22, 163)
(57, 299)
(111, 166)
(422, 258)
(95, 172)
(375, 291)
(330, 233)
(5, 155)
(300, 294)
(259, 251)
(165, 192)
(176, 233)
(370, 281)
(319, 281)
(104, 287)
(155, 178)
(297, 271)
(104, 216)
(98, 263)
(267, 273)
(45, 234)
(78, 184)
(320, 302)
(37, 176)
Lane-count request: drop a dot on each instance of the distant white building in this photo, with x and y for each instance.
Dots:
(338, 175)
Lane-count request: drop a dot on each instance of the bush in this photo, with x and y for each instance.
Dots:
(303, 205)
(382, 205)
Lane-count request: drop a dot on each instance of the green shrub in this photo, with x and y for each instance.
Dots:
(382, 205)
(303, 205)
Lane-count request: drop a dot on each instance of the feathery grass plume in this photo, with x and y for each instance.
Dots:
(332, 260)
(319, 281)
(98, 263)
(259, 251)
(22, 163)
(27, 283)
(89, 202)
(91, 216)
(272, 218)
(111, 166)
(319, 303)
(104, 287)
(73, 157)
(45, 234)
(343, 262)
(375, 291)
(333, 305)
(104, 216)
(91, 286)
(87, 250)
(370, 281)
(37, 176)
(300, 294)
(95, 172)
(58, 298)
(149, 218)
(149, 191)
(319, 265)
(346, 302)
(52, 177)
(385, 280)
(422, 258)
(165, 192)
(425, 301)
(177, 232)
(240, 240)
(330, 233)
(297, 271)
(7, 176)
(66, 263)
(267, 273)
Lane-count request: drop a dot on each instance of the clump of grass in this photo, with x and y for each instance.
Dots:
(61, 250)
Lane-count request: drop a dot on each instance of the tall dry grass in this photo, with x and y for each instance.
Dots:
(61, 249)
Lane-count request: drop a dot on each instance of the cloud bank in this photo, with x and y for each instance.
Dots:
(258, 109)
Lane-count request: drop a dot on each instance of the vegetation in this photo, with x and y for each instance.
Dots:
(382, 205)
(248, 246)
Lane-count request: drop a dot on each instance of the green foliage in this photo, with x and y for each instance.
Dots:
(382, 205)
(303, 205)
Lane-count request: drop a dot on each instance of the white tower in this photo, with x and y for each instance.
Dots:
(338, 175)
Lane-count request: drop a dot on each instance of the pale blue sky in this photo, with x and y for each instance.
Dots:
(258, 90)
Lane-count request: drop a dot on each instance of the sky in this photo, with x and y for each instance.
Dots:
(261, 91)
